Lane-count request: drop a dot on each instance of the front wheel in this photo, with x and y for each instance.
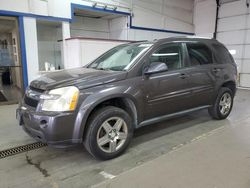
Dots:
(109, 133)
(223, 104)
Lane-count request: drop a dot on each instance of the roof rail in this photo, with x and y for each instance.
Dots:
(139, 41)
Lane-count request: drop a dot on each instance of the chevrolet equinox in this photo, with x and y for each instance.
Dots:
(129, 86)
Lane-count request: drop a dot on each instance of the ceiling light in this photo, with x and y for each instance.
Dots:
(109, 7)
(99, 5)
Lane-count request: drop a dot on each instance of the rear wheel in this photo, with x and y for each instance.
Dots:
(109, 133)
(223, 104)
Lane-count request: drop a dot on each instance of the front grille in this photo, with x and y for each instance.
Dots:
(30, 102)
(36, 89)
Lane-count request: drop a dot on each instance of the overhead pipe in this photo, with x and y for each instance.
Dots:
(217, 17)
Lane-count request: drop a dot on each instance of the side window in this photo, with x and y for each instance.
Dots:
(222, 54)
(170, 54)
(199, 54)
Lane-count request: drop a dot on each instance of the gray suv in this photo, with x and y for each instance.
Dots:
(130, 86)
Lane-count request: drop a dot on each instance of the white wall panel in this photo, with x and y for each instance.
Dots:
(150, 5)
(245, 66)
(232, 23)
(82, 23)
(184, 4)
(38, 7)
(244, 80)
(179, 14)
(90, 27)
(204, 17)
(176, 25)
(59, 8)
(118, 23)
(146, 18)
(247, 36)
(238, 48)
(231, 37)
(159, 35)
(15, 5)
(247, 52)
(80, 51)
(118, 28)
(164, 14)
(119, 35)
(140, 35)
(91, 34)
(232, 9)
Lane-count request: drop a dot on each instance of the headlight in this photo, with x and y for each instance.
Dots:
(61, 99)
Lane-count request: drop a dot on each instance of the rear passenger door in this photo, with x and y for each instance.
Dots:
(201, 78)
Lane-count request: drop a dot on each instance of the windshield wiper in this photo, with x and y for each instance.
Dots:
(105, 69)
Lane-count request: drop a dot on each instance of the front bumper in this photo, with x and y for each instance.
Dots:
(52, 128)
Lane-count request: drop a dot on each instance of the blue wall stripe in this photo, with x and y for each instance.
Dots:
(160, 30)
(75, 6)
(23, 52)
(157, 30)
(51, 18)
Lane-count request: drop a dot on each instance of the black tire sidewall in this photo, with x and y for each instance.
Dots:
(217, 106)
(98, 118)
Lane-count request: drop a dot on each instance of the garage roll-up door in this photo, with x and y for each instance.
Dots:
(234, 31)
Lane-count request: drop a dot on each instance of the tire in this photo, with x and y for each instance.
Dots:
(103, 139)
(216, 111)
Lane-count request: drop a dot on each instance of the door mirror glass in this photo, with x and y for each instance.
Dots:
(156, 67)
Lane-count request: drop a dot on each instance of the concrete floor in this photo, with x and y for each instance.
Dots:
(190, 151)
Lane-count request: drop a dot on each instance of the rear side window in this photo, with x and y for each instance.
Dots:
(222, 54)
(199, 54)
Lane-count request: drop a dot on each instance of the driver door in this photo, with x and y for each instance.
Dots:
(167, 92)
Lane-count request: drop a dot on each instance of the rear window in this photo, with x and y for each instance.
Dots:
(222, 54)
(199, 54)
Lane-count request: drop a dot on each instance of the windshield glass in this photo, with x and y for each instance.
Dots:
(121, 57)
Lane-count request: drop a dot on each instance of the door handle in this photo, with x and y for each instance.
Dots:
(183, 76)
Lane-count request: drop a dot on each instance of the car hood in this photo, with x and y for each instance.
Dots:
(80, 77)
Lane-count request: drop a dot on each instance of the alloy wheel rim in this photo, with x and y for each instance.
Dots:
(112, 134)
(225, 103)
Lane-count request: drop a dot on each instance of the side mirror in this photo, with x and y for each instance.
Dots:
(156, 67)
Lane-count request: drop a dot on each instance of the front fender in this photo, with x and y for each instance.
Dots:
(93, 100)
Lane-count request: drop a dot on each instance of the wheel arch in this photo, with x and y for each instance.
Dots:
(231, 85)
(123, 101)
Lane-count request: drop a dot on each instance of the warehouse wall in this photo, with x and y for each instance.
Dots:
(176, 15)
(89, 27)
(161, 14)
(204, 17)
(164, 14)
(234, 32)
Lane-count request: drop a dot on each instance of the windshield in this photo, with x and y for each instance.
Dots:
(121, 57)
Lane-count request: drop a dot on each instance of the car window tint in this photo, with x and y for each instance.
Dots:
(170, 54)
(222, 54)
(199, 54)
